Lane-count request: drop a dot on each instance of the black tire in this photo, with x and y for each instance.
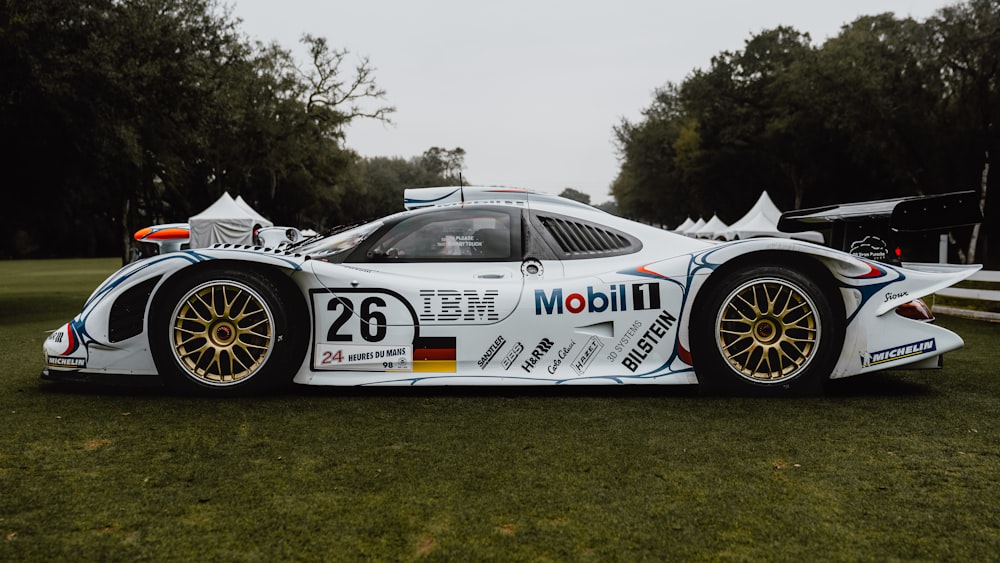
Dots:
(766, 330)
(225, 332)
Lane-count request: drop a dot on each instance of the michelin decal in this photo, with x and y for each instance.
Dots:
(898, 353)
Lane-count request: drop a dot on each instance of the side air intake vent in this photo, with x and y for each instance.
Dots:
(129, 310)
(578, 239)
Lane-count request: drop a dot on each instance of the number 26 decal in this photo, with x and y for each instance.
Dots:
(373, 320)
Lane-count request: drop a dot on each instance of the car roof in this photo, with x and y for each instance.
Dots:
(417, 198)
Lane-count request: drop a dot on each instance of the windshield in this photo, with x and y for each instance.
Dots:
(338, 243)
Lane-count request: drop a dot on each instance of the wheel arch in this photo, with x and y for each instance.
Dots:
(811, 264)
(280, 275)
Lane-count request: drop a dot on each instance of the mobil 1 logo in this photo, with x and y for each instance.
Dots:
(613, 298)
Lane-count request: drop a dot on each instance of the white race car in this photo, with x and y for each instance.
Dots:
(493, 286)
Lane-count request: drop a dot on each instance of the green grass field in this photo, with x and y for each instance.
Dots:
(898, 466)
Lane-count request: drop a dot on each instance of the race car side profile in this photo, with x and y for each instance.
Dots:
(497, 286)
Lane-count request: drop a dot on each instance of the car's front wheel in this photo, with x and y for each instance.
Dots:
(766, 329)
(225, 332)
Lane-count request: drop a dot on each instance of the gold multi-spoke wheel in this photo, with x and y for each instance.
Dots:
(768, 330)
(222, 333)
(228, 330)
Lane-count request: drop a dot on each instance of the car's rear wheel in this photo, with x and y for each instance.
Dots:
(767, 330)
(225, 332)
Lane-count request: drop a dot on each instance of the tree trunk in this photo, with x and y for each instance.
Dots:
(971, 255)
(126, 239)
(792, 173)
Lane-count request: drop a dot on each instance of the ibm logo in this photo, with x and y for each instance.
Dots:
(443, 305)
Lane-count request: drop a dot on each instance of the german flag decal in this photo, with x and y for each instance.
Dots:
(434, 354)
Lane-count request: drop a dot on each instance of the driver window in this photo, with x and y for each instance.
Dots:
(459, 235)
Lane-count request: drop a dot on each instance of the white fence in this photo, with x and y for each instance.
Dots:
(981, 294)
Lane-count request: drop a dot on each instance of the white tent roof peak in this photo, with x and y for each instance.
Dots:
(246, 207)
(222, 207)
(690, 231)
(757, 225)
(684, 226)
(760, 226)
(762, 221)
(765, 207)
(712, 227)
(225, 221)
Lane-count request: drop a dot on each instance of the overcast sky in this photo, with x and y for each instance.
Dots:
(532, 88)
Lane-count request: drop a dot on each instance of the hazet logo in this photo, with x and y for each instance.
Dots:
(898, 353)
(616, 298)
(587, 355)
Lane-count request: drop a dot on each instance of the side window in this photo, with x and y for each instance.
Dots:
(461, 235)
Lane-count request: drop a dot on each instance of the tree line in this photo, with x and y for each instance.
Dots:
(889, 107)
(118, 114)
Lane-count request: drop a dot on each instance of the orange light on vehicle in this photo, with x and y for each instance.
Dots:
(170, 233)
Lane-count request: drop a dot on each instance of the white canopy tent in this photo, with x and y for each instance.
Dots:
(762, 221)
(763, 213)
(757, 226)
(713, 228)
(690, 231)
(253, 212)
(227, 220)
(684, 226)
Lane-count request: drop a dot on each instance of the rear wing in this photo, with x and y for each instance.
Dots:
(875, 229)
